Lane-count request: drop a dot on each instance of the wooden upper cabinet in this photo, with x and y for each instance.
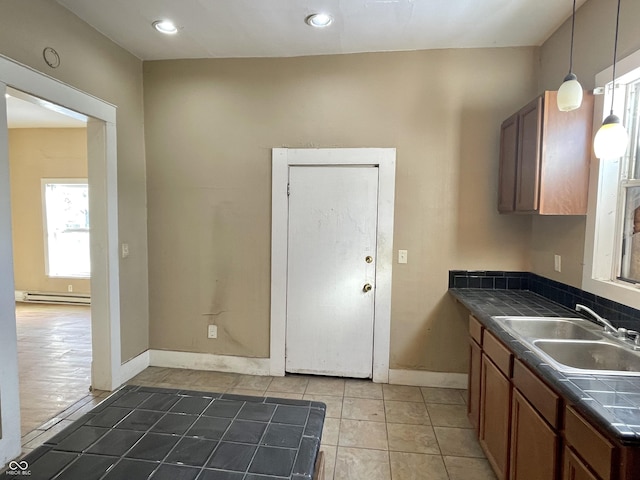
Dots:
(528, 165)
(544, 158)
(508, 161)
(565, 157)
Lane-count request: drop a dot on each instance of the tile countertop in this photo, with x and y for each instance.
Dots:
(146, 432)
(613, 402)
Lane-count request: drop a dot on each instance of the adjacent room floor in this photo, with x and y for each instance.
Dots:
(372, 431)
(54, 359)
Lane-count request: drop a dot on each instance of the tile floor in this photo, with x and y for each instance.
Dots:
(372, 431)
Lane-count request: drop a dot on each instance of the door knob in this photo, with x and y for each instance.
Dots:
(368, 259)
(367, 287)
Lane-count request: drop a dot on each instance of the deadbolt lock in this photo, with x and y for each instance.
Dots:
(367, 287)
(368, 259)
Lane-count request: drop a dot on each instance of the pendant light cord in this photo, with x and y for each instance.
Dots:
(615, 55)
(573, 26)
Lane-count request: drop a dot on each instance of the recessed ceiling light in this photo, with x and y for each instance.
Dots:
(319, 20)
(165, 26)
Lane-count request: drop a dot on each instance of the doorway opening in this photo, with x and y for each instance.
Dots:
(103, 203)
(51, 255)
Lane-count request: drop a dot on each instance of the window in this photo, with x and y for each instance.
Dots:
(629, 267)
(66, 227)
(612, 240)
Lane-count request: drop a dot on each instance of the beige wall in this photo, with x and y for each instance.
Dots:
(210, 127)
(94, 64)
(34, 154)
(212, 123)
(593, 52)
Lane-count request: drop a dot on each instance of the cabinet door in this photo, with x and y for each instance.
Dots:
(574, 469)
(473, 403)
(528, 169)
(534, 445)
(508, 162)
(495, 413)
(564, 165)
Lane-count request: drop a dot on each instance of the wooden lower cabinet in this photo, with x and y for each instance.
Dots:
(574, 469)
(495, 414)
(528, 430)
(475, 366)
(534, 444)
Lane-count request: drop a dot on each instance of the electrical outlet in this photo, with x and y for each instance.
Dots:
(125, 250)
(69, 288)
(402, 256)
(557, 263)
(212, 331)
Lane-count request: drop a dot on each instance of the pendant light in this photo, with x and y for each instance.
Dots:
(570, 92)
(611, 140)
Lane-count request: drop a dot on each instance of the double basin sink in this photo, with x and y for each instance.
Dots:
(574, 345)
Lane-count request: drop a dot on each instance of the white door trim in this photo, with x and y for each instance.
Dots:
(282, 159)
(102, 163)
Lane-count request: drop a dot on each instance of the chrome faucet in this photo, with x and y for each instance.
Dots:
(608, 326)
(633, 336)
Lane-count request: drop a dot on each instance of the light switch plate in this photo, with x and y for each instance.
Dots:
(402, 256)
(557, 263)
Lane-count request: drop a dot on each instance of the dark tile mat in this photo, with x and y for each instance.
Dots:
(175, 472)
(291, 415)
(141, 433)
(232, 456)
(116, 442)
(175, 423)
(191, 451)
(160, 401)
(244, 431)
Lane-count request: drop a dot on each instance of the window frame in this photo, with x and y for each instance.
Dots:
(45, 229)
(605, 223)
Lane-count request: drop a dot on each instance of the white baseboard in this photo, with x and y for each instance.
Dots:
(19, 294)
(421, 378)
(133, 367)
(262, 366)
(210, 361)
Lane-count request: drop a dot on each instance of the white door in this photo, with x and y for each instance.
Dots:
(331, 270)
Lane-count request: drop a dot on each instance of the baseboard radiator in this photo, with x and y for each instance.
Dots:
(54, 298)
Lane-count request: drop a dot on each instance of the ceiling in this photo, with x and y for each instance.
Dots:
(25, 111)
(276, 28)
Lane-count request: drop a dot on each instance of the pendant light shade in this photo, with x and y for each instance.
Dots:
(570, 92)
(612, 139)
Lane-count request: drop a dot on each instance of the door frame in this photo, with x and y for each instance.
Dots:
(282, 159)
(105, 285)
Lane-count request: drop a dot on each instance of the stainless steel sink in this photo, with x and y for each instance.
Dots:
(597, 356)
(574, 345)
(554, 328)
